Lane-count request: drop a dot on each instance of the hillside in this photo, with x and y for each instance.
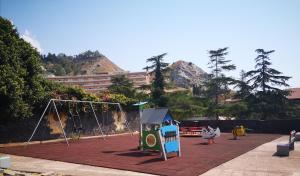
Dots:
(83, 64)
(180, 74)
(98, 65)
(186, 74)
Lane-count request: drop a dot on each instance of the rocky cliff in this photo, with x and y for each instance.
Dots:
(186, 74)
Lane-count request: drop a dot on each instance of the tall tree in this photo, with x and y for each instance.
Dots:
(266, 82)
(244, 90)
(218, 83)
(158, 84)
(21, 85)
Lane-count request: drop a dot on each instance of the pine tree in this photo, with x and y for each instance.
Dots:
(244, 90)
(122, 85)
(266, 83)
(158, 84)
(218, 82)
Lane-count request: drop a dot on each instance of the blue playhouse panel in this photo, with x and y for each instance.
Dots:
(167, 118)
(170, 128)
(172, 146)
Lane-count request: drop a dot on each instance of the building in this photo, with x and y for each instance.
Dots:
(96, 83)
(294, 94)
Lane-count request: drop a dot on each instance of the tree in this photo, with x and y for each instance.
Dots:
(218, 83)
(158, 84)
(88, 54)
(184, 105)
(122, 85)
(266, 82)
(62, 64)
(59, 65)
(244, 90)
(21, 85)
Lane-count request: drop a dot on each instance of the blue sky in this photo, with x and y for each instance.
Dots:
(128, 32)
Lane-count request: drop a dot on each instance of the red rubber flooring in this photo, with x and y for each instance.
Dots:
(121, 152)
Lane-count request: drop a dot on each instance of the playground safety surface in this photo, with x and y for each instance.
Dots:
(120, 152)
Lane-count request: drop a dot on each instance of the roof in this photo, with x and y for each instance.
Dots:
(294, 93)
(140, 103)
(154, 115)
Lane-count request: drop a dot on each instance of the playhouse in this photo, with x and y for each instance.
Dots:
(158, 132)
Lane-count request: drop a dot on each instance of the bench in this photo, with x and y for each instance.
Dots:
(190, 131)
(283, 149)
(297, 136)
(4, 162)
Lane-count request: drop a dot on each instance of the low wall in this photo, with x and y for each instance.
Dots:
(20, 131)
(256, 126)
(49, 128)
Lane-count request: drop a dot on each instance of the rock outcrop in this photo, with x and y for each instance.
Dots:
(186, 74)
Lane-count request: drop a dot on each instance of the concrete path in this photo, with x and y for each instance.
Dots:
(261, 162)
(29, 164)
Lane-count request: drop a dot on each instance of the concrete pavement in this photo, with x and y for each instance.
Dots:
(261, 162)
(29, 164)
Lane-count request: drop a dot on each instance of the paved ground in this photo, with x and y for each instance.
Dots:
(29, 164)
(120, 152)
(261, 161)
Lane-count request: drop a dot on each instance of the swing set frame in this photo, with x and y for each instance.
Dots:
(53, 102)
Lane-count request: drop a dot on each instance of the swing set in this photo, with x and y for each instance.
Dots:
(73, 114)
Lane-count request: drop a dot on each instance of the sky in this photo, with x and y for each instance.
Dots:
(130, 31)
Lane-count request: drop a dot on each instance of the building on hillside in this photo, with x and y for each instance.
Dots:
(294, 94)
(100, 82)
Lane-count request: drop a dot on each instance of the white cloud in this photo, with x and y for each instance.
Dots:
(28, 37)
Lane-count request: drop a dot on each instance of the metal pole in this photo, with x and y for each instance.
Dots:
(38, 123)
(141, 130)
(53, 100)
(62, 128)
(83, 101)
(178, 138)
(97, 120)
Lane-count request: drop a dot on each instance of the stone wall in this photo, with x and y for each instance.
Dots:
(49, 128)
(113, 122)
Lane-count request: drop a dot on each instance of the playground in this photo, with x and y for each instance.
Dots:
(121, 152)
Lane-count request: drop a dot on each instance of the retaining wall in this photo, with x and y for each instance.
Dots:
(20, 131)
(256, 126)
